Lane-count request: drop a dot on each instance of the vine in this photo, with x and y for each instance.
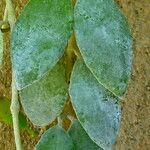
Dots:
(78, 49)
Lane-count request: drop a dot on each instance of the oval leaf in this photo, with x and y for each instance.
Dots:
(39, 38)
(55, 139)
(80, 138)
(97, 109)
(44, 100)
(1, 49)
(105, 42)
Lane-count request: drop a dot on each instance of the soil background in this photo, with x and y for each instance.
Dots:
(135, 125)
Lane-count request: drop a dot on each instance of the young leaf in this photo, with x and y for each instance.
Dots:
(1, 48)
(80, 138)
(55, 139)
(6, 117)
(5, 114)
(44, 100)
(39, 38)
(105, 42)
(97, 109)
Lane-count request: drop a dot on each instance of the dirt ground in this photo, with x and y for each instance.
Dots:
(135, 126)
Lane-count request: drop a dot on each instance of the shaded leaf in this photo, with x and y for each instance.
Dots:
(6, 117)
(80, 138)
(55, 139)
(97, 109)
(1, 48)
(44, 100)
(105, 42)
(5, 114)
(39, 38)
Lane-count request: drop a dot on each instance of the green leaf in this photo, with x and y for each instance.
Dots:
(105, 42)
(39, 38)
(44, 100)
(55, 139)
(5, 114)
(1, 49)
(80, 138)
(97, 109)
(6, 117)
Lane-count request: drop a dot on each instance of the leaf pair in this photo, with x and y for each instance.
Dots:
(44, 27)
(39, 38)
(38, 42)
(44, 100)
(97, 109)
(105, 42)
(58, 139)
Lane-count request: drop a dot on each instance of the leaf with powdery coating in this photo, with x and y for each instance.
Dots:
(80, 138)
(97, 109)
(39, 39)
(55, 139)
(105, 42)
(44, 100)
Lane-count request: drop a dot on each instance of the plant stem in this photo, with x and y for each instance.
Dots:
(59, 120)
(5, 14)
(5, 18)
(15, 107)
(11, 13)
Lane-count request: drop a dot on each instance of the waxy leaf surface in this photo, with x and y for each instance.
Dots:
(80, 138)
(55, 138)
(44, 100)
(97, 109)
(105, 42)
(39, 38)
